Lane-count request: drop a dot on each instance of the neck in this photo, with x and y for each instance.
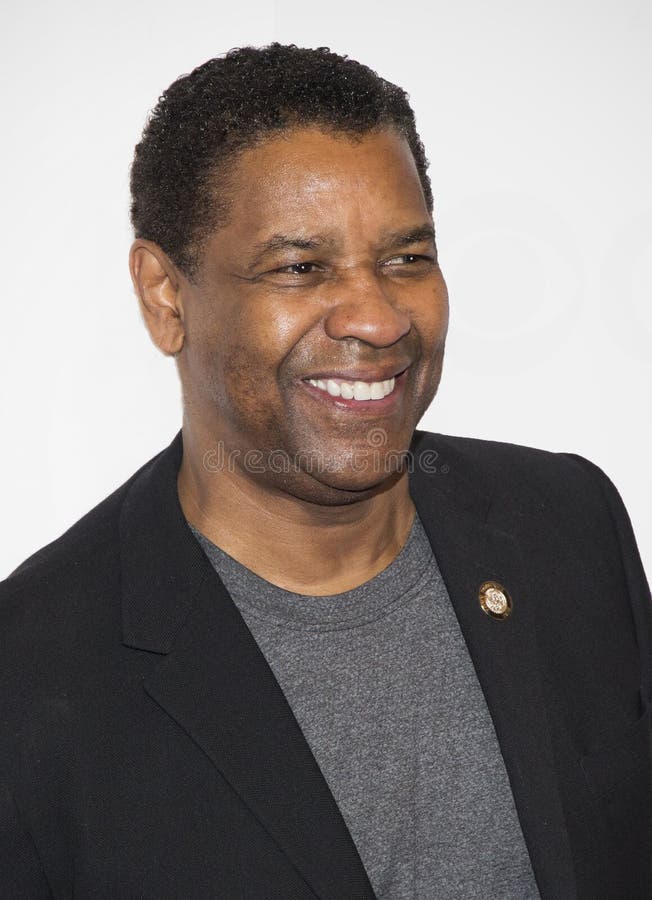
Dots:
(298, 545)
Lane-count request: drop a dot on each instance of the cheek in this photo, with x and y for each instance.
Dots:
(264, 341)
(246, 358)
(264, 328)
(430, 318)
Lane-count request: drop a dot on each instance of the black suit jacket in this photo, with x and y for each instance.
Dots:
(147, 750)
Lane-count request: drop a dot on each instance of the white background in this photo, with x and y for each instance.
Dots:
(536, 118)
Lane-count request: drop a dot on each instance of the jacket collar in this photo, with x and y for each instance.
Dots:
(163, 566)
(212, 671)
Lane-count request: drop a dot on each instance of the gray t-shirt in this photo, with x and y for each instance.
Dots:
(381, 683)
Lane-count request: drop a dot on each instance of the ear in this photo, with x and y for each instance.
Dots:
(157, 285)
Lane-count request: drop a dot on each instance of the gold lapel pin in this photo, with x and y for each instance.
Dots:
(494, 600)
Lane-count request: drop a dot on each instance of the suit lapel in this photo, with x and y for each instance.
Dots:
(215, 682)
(456, 515)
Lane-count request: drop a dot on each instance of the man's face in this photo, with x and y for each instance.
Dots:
(316, 325)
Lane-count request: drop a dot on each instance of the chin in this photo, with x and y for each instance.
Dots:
(343, 486)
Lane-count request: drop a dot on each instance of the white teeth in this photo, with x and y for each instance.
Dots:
(355, 390)
(361, 391)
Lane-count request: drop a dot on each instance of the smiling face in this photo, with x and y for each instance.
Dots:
(316, 325)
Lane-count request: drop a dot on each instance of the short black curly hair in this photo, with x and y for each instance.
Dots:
(228, 104)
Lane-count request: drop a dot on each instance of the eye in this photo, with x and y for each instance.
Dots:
(302, 268)
(407, 259)
(299, 274)
(409, 264)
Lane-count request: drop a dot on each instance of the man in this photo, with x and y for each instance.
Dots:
(305, 652)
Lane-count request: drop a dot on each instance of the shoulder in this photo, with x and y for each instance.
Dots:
(66, 579)
(61, 624)
(525, 475)
(495, 459)
(554, 500)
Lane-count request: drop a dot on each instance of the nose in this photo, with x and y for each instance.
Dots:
(365, 310)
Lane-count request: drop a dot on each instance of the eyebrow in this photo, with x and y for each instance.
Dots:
(285, 242)
(412, 236)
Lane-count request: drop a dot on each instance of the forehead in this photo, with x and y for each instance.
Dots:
(312, 179)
